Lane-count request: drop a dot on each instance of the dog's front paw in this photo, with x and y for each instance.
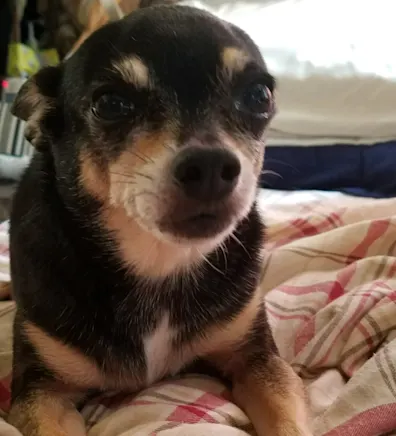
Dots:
(289, 429)
(43, 414)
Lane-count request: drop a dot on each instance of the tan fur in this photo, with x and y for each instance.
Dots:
(220, 342)
(71, 366)
(46, 414)
(75, 371)
(148, 148)
(234, 60)
(134, 71)
(94, 180)
(273, 397)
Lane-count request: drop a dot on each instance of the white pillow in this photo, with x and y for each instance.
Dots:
(335, 62)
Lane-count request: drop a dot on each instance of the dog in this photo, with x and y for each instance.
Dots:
(135, 239)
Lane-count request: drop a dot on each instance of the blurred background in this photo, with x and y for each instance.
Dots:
(334, 61)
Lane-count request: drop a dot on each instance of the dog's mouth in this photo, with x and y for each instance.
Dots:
(202, 218)
(198, 225)
(201, 222)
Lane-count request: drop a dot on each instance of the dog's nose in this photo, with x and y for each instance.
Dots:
(206, 174)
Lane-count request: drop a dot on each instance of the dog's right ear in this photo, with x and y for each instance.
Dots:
(34, 103)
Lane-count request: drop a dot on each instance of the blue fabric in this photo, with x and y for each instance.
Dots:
(368, 171)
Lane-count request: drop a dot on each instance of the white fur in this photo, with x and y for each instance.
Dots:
(158, 350)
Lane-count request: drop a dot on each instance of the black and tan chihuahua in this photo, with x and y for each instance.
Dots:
(135, 237)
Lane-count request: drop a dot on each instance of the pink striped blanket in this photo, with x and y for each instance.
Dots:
(329, 279)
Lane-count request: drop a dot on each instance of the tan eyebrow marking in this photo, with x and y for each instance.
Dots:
(133, 70)
(234, 60)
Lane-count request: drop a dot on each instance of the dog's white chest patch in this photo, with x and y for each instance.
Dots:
(160, 357)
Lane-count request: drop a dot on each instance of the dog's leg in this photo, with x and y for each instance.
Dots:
(40, 404)
(263, 384)
(273, 397)
(42, 413)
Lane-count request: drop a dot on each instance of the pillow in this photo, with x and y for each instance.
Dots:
(366, 171)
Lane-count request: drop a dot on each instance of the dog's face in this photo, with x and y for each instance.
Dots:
(164, 111)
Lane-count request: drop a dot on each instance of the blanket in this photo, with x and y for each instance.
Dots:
(329, 281)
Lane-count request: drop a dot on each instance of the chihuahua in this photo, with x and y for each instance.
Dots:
(135, 238)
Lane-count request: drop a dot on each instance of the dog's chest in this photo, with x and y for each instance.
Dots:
(160, 354)
(165, 355)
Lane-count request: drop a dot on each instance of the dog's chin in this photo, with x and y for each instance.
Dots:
(193, 224)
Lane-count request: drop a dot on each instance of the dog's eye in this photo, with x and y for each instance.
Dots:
(256, 100)
(112, 107)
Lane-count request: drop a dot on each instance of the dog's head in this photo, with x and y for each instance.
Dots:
(163, 114)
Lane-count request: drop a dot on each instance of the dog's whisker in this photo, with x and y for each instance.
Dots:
(270, 172)
(144, 192)
(124, 182)
(131, 179)
(238, 241)
(205, 259)
(223, 249)
(143, 157)
(146, 176)
(169, 147)
(132, 176)
(129, 176)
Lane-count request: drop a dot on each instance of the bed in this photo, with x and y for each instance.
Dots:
(329, 281)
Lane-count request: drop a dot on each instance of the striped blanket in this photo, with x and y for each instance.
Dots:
(329, 278)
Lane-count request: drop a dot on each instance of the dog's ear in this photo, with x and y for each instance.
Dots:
(35, 102)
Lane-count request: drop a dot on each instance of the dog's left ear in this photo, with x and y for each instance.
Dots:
(36, 102)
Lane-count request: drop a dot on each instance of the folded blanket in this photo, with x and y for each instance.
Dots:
(329, 278)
